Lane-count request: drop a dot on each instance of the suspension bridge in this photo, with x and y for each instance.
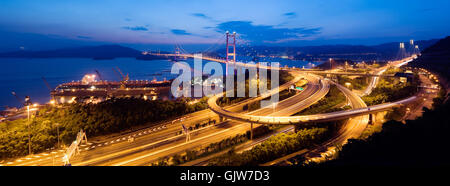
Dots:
(230, 53)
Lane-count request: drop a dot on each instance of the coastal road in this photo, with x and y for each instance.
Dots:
(353, 127)
(203, 139)
(164, 133)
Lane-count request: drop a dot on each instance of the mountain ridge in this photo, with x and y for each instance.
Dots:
(384, 51)
(96, 52)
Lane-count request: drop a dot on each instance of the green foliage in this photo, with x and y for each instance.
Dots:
(286, 94)
(389, 90)
(397, 114)
(439, 100)
(412, 144)
(358, 83)
(329, 103)
(393, 70)
(274, 147)
(254, 106)
(212, 148)
(114, 115)
(284, 77)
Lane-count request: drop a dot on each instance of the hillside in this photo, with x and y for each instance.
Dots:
(381, 52)
(420, 142)
(96, 52)
(437, 59)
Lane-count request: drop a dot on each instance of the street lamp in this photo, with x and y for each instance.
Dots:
(346, 64)
(331, 67)
(28, 113)
(347, 84)
(27, 104)
(57, 130)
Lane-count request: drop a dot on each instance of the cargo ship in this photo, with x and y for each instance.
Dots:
(92, 90)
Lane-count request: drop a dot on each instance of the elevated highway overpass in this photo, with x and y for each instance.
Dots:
(348, 73)
(325, 117)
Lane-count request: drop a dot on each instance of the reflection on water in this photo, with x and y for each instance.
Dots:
(24, 76)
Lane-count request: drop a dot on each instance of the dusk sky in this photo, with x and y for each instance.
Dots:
(34, 25)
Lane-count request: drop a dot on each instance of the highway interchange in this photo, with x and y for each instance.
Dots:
(163, 140)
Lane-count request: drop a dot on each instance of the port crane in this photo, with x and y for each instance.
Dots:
(122, 77)
(15, 95)
(49, 89)
(99, 75)
(46, 84)
(108, 88)
(27, 101)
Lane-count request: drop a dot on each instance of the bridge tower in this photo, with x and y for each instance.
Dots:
(177, 53)
(416, 49)
(411, 47)
(231, 56)
(177, 50)
(402, 51)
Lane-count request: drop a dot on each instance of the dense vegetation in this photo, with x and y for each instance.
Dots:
(114, 115)
(284, 77)
(274, 147)
(333, 101)
(212, 148)
(422, 141)
(107, 117)
(190, 155)
(358, 83)
(436, 59)
(389, 90)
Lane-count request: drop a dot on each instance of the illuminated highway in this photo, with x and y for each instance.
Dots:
(354, 127)
(164, 140)
(204, 138)
(164, 134)
(272, 120)
(374, 80)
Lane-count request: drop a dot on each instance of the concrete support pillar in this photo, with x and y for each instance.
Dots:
(251, 131)
(374, 116)
(371, 119)
(221, 118)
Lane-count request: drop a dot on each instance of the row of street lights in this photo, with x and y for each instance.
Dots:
(30, 107)
(28, 104)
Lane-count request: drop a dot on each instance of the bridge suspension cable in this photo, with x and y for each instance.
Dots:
(216, 45)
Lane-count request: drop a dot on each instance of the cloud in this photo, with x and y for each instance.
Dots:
(203, 16)
(84, 37)
(127, 19)
(180, 32)
(266, 33)
(136, 28)
(290, 15)
(200, 15)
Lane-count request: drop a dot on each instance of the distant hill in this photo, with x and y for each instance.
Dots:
(386, 51)
(437, 59)
(399, 144)
(95, 52)
(355, 53)
(382, 52)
